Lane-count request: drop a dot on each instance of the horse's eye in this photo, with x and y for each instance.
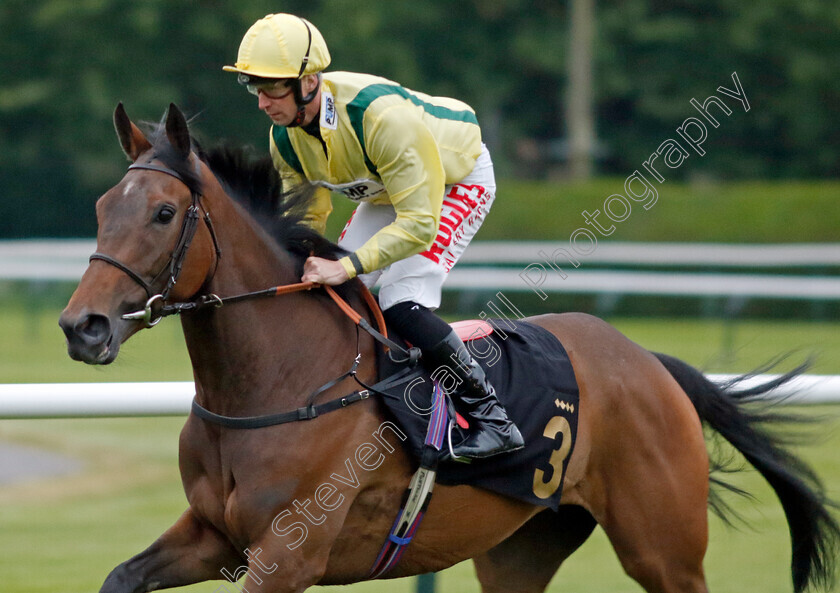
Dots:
(165, 214)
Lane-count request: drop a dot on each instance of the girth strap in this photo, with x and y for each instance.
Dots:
(416, 498)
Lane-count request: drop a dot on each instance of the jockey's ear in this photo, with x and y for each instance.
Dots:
(308, 84)
(132, 140)
(177, 131)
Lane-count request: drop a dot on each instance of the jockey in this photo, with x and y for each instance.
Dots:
(422, 178)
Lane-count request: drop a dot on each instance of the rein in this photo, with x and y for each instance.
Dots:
(154, 311)
(213, 300)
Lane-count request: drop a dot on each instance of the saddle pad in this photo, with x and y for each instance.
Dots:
(535, 382)
(471, 329)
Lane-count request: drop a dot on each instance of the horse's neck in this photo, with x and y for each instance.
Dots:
(248, 357)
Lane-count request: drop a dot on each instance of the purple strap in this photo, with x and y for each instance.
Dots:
(395, 545)
(439, 417)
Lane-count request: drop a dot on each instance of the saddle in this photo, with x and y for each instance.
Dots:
(535, 382)
(526, 364)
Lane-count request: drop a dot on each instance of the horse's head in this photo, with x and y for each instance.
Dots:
(153, 242)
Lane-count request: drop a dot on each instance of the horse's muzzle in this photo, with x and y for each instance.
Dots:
(89, 338)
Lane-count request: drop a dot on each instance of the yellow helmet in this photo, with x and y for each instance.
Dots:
(281, 46)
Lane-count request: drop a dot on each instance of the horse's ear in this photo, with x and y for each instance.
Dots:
(133, 141)
(177, 130)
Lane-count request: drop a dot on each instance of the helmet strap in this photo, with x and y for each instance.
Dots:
(302, 101)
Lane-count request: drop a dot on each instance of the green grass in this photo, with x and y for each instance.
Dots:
(32, 348)
(742, 212)
(65, 534)
(739, 346)
(730, 212)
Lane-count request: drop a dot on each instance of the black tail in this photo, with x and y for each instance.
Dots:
(814, 532)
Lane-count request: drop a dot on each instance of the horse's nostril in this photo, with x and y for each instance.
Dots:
(93, 329)
(89, 337)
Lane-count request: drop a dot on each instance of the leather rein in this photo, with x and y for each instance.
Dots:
(156, 309)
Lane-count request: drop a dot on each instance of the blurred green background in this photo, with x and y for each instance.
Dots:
(66, 64)
(542, 75)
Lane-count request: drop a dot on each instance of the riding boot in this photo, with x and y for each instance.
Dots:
(491, 431)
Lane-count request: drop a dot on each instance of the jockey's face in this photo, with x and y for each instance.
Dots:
(282, 109)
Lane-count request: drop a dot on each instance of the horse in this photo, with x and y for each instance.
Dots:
(186, 225)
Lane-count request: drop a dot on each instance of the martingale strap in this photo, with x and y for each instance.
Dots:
(305, 413)
(309, 411)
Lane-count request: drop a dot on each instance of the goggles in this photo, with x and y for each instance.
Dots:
(273, 89)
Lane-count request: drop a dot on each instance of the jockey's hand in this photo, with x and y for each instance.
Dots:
(324, 271)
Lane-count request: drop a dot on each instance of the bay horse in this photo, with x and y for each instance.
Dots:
(640, 467)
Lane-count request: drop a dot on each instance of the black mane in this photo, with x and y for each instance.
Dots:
(255, 184)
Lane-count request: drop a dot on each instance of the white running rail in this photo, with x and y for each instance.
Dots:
(84, 400)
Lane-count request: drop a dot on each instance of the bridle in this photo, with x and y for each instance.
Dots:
(151, 315)
(176, 258)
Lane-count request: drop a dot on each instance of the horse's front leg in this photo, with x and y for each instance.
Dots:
(189, 552)
(273, 568)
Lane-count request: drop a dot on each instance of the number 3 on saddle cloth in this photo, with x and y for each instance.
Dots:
(534, 380)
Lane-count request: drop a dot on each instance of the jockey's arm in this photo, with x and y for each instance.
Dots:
(408, 161)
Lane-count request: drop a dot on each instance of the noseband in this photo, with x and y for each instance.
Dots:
(176, 258)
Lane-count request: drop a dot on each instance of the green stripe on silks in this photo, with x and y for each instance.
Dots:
(284, 145)
(357, 107)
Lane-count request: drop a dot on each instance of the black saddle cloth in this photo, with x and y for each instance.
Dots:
(534, 380)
